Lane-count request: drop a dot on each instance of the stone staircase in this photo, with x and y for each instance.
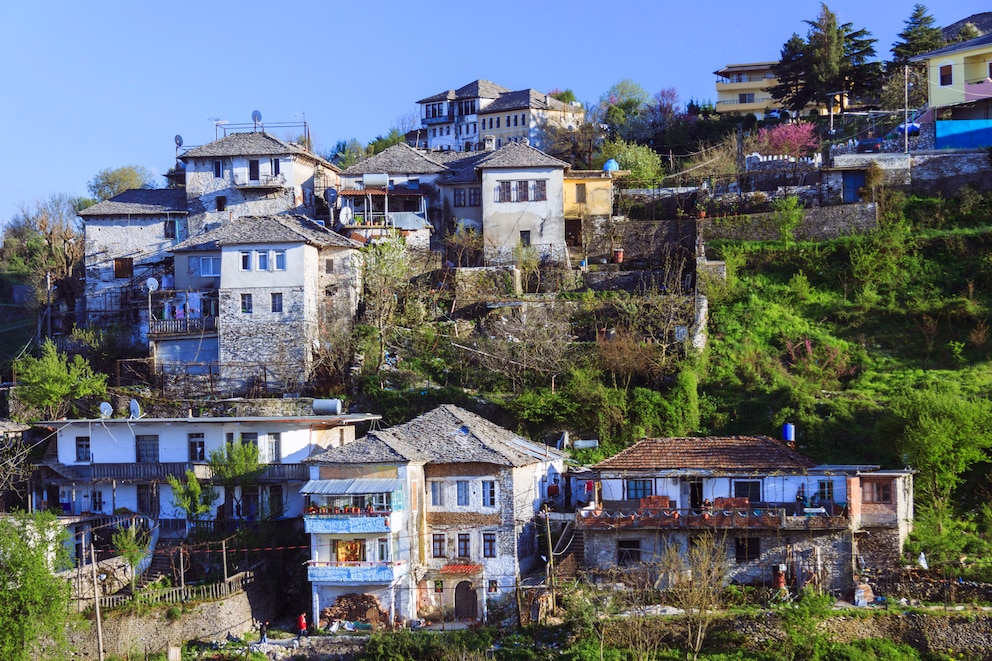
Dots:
(569, 551)
(161, 565)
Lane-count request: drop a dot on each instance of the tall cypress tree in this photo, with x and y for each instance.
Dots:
(919, 36)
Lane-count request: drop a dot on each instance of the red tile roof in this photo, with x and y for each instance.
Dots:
(725, 453)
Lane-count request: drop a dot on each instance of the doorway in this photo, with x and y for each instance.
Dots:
(466, 602)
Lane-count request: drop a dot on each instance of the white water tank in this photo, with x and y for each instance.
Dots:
(327, 406)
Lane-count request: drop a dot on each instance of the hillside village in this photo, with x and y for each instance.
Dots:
(232, 300)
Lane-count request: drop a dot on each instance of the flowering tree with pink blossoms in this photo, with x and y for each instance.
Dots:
(793, 140)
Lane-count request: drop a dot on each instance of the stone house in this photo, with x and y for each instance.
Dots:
(127, 239)
(783, 519)
(434, 517)
(254, 300)
(96, 468)
(459, 120)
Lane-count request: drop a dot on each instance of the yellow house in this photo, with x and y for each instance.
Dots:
(588, 196)
(960, 74)
(746, 88)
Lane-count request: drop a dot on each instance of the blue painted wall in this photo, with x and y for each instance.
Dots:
(964, 133)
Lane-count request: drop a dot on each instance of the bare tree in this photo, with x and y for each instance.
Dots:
(693, 581)
(14, 465)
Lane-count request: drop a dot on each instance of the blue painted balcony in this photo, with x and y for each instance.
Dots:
(347, 524)
(352, 573)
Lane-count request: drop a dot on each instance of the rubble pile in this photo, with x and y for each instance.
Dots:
(354, 607)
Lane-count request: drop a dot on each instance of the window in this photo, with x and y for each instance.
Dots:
(464, 545)
(383, 549)
(488, 493)
(249, 501)
(439, 585)
(221, 201)
(503, 191)
(123, 267)
(146, 448)
(462, 490)
(825, 491)
(218, 169)
(274, 166)
(209, 267)
(514, 120)
(276, 501)
(745, 97)
(169, 230)
(878, 492)
(197, 450)
(637, 489)
(460, 197)
(253, 169)
(750, 489)
(438, 546)
(270, 452)
(946, 77)
(280, 260)
(580, 193)
(245, 260)
(523, 188)
(489, 544)
(146, 502)
(249, 438)
(540, 190)
(525, 238)
(246, 303)
(328, 266)
(277, 302)
(262, 259)
(628, 551)
(475, 197)
(97, 501)
(437, 494)
(493, 586)
(497, 122)
(748, 548)
(82, 448)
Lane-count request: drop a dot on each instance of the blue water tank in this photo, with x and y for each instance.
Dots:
(789, 432)
(611, 165)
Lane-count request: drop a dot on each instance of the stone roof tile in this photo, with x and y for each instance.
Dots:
(519, 155)
(398, 159)
(247, 230)
(140, 201)
(723, 453)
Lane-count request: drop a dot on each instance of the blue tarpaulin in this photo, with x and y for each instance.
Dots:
(964, 133)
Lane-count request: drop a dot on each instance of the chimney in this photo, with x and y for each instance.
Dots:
(490, 143)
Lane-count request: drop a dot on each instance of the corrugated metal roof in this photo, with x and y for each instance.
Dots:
(349, 487)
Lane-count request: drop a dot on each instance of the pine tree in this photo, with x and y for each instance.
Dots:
(919, 36)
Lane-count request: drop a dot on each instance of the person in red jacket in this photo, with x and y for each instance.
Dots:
(301, 626)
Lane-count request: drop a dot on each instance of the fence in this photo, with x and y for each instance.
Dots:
(210, 592)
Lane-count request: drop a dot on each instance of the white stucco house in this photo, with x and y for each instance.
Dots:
(95, 468)
(434, 517)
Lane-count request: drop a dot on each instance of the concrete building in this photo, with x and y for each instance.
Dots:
(746, 88)
(95, 469)
(434, 517)
(783, 520)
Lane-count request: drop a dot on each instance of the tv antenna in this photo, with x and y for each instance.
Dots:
(218, 122)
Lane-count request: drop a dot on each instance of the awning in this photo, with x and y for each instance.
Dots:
(461, 569)
(351, 487)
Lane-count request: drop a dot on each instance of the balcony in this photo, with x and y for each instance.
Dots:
(264, 182)
(767, 518)
(352, 573)
(978, 90)
(443, 119)
(151, 472)
(183, 326)
(354, 523)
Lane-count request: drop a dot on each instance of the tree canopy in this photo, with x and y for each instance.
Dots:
(919, 36)
(51, 384)
(114, 181)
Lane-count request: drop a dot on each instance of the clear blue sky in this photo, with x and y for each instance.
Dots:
(99, 84)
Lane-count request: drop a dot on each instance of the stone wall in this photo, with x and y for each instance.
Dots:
(946, 172)
(479, 285)
(819, 223)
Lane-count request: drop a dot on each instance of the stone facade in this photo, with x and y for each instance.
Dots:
(819, 223)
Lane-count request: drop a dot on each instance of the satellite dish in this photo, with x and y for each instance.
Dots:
(346, 215)
(152, 284)
(179, 140)
(134, 408)
(106, 410)
(256, 117)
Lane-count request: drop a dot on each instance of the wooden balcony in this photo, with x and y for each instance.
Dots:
(158, 471)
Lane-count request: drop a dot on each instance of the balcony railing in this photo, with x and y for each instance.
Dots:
(355, 572)
(443, 119)
(372, 523)
(263, 181)
(752, 517)
(183, 326)
(148, 471)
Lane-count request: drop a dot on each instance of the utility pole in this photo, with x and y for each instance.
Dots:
(551, 556)
(96, 605)
(905, 121)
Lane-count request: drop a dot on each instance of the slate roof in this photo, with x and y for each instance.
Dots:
(477, 89)
(447, 435)
(140, 202)
(521, 99)
(265, 229)
(519, 155)
(398, 159)
(256, 143)
(750, 454)
(12, 427)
